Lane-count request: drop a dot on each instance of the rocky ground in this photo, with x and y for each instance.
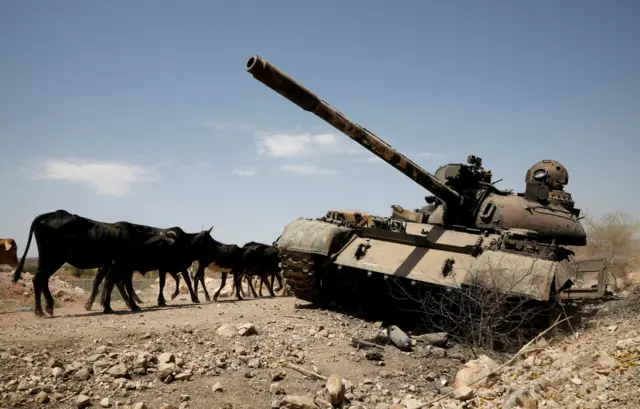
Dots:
(279, 352)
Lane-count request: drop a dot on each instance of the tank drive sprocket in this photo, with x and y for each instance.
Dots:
(301, 276)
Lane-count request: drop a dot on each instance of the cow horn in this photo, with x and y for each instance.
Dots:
(210, 228)
(7, 245)
(171, 233)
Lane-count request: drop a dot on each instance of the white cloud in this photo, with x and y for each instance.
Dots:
(289, 145)
(308, 170)
(105, 178)
(243, 172)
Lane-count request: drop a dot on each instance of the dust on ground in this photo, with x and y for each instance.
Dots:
(249, 354)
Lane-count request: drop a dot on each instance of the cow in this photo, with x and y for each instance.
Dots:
(257, 259)
(8, 252)
(84, 243)
(120, 285)
(275, 275)
(187, 248)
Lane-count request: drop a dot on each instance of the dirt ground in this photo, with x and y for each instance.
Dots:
(313, 339)
(239, 354)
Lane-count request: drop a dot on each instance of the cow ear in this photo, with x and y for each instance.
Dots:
(7, 245)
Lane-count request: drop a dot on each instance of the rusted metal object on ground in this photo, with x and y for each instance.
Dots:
(470, 233)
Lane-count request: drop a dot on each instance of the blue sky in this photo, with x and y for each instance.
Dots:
(143, 111)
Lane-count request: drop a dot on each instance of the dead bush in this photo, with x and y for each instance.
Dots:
(614, 236)
(481, 311)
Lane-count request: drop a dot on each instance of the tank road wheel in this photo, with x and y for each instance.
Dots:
(301, 278)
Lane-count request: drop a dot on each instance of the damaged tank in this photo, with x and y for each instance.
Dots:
(469, 233)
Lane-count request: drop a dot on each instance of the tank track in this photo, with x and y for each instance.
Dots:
(300, 275)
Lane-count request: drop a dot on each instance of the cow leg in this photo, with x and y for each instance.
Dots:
(128, 283)
(134, 294)
(253, 291)
(222, 284)
(265, 279)
(204, 287)
(124, 293)
(37, 291)
(199, 277)
(176, 277)
(233, 285)
(187, 280)
(163, 276)
(102, 272)
(237, 279)
(276, 276)
(107, 292)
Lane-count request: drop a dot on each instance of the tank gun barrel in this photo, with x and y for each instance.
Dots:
(286, 86)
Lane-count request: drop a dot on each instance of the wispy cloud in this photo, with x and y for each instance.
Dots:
(105, 178)
(308, 170)
(243, 172)
(303, 144)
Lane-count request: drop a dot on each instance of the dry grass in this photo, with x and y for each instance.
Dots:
(614, 236)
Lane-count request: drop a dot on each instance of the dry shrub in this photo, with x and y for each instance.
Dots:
(480, 312)
(614, 236)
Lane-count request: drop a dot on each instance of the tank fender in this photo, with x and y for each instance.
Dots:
(313, 236)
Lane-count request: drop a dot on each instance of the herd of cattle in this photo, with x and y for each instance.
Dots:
(119, 249)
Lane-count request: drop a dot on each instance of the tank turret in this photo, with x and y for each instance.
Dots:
(464, 194)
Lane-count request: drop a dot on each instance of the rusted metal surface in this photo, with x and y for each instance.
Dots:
(589, 279)
(311, 236)
(513, 274)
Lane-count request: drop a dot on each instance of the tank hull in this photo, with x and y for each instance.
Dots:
(318, 258)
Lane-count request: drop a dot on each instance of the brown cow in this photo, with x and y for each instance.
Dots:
(8, 252)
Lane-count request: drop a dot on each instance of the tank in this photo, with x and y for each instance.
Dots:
(469, 232)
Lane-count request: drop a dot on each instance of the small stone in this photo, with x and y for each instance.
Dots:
(521, 398)
(140, 405)
(118, 371)
(276, 389)
(42, 397)
(297, 402)
(463, 393)
(217, 387)
(247, 329)
(168, 406)
(105, 403)
(227, 331)
(82, 401)
(278, 375)
(183, 376)
(165, 370)
(56, 372)
(335, 389)
(83, 374)
(54, 363)
(166, 358)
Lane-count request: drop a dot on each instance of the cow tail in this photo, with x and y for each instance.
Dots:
(18, 272)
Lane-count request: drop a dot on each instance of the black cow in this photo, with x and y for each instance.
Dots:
(257, 259)
(178, 265)
(63, 237)
(101, 274)
(187, 248)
